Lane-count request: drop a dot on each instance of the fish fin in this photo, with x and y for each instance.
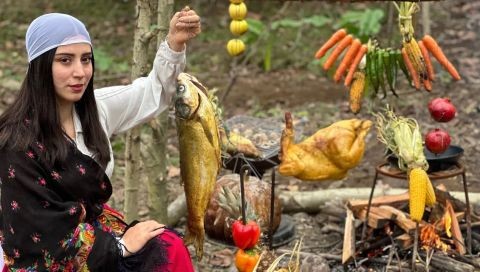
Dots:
(208, 132)
(197, 242)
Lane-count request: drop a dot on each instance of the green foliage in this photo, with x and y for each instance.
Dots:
(105, 62)
(292, 41)
(267, 36)
(362, 23)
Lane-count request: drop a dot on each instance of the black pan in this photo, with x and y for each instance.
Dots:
(437, 162)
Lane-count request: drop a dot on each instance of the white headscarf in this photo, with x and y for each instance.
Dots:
(52, 30)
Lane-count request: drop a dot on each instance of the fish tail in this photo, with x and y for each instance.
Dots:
(197, 239)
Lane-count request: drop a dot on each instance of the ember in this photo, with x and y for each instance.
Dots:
(390, 235)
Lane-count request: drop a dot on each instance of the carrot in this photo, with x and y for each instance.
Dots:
(411, 69)
(333, 40)
(347, 60)
(351, 70)
(346, 41)
(428, 61)
(437, 52)
(427, 84)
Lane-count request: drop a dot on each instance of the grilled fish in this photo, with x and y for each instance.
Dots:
(200, 153)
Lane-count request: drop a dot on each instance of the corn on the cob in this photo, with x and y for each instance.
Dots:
(356, 91)
(415, 55)
(418, 190)
(430, 199)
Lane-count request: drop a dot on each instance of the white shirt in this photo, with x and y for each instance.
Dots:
(121, 108)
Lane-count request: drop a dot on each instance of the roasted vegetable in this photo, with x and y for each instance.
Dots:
(437, 52)
(237, 11)
(356, 91)
(402, 136)
(411, 69)
(344, 43)
(347, 60)
(246, 260)
(430, 198)
(353, 67)
(235, 47)
(333, 40)
(415, 56)
(417, 188)
(245, 236)
(238, 27)
(428, 61)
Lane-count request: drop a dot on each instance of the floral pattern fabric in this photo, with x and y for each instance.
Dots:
(51, 215)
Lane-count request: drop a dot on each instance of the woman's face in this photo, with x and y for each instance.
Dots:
(72, 70)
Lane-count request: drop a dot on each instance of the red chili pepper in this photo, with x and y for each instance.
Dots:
(245, 236)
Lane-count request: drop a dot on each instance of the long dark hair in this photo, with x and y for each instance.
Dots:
(33, 116)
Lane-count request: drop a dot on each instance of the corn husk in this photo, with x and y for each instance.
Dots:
(402, 136)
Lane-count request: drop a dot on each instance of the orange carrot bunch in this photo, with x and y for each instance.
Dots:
(341, 40)
(433, 48)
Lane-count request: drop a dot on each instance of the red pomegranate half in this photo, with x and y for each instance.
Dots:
(437, 141)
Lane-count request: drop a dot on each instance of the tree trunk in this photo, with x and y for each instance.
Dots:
(426, 22)
(132, 140)
(155, 158)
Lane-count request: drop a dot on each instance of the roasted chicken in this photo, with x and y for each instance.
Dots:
(326, 155)
(234, 143)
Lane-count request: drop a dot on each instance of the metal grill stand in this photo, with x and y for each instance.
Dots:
(459, 170)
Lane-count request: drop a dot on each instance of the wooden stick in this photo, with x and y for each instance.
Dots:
(456, 232)
(446, 263)
(380, 200)
(348, 251)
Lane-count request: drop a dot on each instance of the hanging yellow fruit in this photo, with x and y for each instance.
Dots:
(238, 27)
(237, 11)
(235, 47)
(236, 1)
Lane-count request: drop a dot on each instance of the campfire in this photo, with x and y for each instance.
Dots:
(440, 242)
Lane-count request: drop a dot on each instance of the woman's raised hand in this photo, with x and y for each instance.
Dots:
(137, 236)
(184, 26)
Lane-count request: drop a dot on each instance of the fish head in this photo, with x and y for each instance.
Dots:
(187, 98)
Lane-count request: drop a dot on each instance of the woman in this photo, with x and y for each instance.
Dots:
(56, 157)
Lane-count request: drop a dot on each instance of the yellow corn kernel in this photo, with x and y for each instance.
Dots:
(430, 198)
(415, 55)
(417, 183)
(356, 91)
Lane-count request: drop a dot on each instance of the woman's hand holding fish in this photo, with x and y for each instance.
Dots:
(184, 26)
(137, 236)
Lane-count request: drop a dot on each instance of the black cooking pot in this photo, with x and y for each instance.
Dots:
(436, 162)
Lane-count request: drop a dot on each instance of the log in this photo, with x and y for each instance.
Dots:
(348, 252)
(381, 200)
(377, 218)
(404, 241)
(401, 220)
(445, 263)
(311, 201)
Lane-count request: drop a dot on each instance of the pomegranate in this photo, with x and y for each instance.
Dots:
(437, 141)
(442, 109)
